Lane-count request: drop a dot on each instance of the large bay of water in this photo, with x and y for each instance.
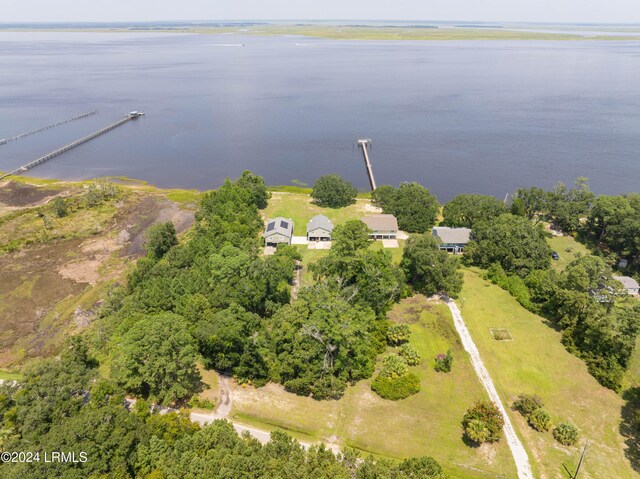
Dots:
(473, 116)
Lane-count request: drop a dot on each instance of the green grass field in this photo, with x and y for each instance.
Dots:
(299, 208)
(427, 423)
(568, 249)
(535, 362)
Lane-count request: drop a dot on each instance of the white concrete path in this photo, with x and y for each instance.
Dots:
(517, 449)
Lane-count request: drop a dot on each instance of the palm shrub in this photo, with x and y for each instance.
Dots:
(483, 422)
(540, 420)
(410, 355)
(398, 334)
(566, 433)
(393, 366)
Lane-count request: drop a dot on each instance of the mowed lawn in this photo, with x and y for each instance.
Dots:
(300, 209)
(535, 362)
(568, 249)
(427, 423)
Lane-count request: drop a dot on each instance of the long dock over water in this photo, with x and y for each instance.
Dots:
(365, 144)
(4, 141)
(131, 116)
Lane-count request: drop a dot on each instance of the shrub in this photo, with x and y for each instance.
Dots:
(525, 404)
(444, 362)
(334, 192)
(300, 386)
(196, 402)
(540, 420)
(393, 367)
(566, 434)
(60, 207)
(328, 387)
(396, 388)
(410, 355)
(483, 423)
(398, 334)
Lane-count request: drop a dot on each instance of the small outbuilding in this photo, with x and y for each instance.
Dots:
(278, 230)
(452, 240)
(630, 285)
(319, 228)
(382, 226)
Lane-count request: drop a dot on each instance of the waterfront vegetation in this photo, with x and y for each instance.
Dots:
(311, 363)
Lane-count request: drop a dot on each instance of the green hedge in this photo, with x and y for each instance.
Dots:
(396, 388)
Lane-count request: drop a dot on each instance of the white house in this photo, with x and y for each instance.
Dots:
(319, 228)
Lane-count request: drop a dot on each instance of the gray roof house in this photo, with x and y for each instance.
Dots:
(452, 240)
(278, 230)
(319, 228)
(382, 226)
(629, 284)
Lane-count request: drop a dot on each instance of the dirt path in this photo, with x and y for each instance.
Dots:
(517, 449)
(226, 398)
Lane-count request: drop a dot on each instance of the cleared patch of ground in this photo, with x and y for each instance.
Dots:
(13, 194)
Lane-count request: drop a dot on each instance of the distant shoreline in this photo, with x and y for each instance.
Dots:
(356, 31)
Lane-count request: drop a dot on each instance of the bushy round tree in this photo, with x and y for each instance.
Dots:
(334, 192)
(466, 210)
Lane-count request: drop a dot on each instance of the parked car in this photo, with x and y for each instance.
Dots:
(555, 256)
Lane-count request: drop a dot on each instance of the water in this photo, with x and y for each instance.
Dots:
(474, 116)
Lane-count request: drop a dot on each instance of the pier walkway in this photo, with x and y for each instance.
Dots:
(131, 116)
(53, 125)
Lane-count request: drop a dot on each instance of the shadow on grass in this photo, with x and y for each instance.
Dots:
(630, 427)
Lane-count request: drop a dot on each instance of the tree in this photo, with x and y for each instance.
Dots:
(608, 211)
(568, 207)
(350, 237)
(428, 269)
(398, 334)
(393, 366)
(160, 239)
(333, 192)
(483, 422)
(156, 359)
(530, 202)
(465, 210)
(256, 186)
(412, 204)
(525, 404)
(421, 468)
(512, 241)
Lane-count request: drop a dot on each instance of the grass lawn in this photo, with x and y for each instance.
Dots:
(299, 208)
(568, 249)
(9, 376)
(535, 362)
(427, 423)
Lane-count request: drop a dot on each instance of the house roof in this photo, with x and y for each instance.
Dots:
(279, 225)
(319, 221)
(452, 235)
(627, 282)
(381, 222)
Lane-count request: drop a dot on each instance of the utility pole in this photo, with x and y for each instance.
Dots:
(575, 476)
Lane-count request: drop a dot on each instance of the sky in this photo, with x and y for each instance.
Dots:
(565, 11)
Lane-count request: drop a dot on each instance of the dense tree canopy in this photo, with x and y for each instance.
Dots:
(160, 239)
(412, 204)
(465, 210)
(333, 192)
(156, 358)
(428, 269)
(512, 241)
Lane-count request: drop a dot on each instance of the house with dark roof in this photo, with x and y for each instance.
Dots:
(382, 226)
(630, 285)
(452, 240)
(278, 230)
(319, 228)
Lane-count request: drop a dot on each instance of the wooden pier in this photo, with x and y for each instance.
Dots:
(4, 141)
(131, 116)
(365, 144)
